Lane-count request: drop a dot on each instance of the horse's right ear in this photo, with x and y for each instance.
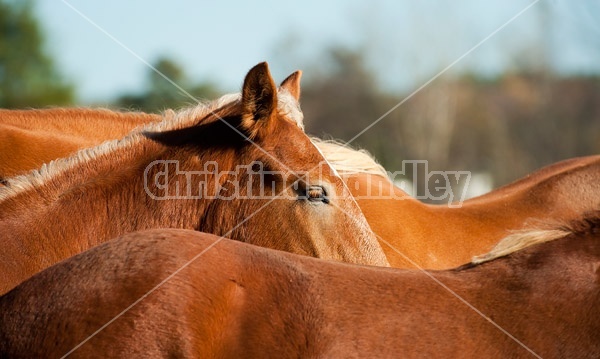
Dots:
(259, 101)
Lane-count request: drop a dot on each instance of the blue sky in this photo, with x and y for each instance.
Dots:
(405, 41)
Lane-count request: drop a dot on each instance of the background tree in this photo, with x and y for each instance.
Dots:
(502, 128)
(28, 77)
(162, 94)
(340, 98)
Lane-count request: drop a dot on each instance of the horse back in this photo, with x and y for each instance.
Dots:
(30, 138)
(195, 301)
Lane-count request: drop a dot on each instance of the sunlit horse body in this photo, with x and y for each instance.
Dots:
(186, 172)
(219, 298)
(30, 138)
(430, 236)
(440, 236)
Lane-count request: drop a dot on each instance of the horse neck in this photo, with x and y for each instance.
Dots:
(84, 206)
(383, 203)
(552, 195)
(538, 183)
(556, 193)
(411, 231)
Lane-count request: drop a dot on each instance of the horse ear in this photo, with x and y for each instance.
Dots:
(259, 100)
(292, 84)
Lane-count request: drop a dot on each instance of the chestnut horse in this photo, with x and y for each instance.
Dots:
(237, 167)
(441, 236)
(430, 236)
(176, 293)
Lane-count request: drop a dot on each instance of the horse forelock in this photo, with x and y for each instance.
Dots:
(172, 120)
(518, 240)
(289, 107)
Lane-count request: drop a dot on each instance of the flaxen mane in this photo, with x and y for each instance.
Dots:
(589, 223)
(347, 160)
(203, 112)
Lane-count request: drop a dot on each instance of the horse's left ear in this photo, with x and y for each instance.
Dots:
(292, 84)
(259, 101)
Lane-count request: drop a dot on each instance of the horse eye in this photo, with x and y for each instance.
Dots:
(316, 194)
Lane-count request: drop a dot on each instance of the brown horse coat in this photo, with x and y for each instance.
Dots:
(30, 138)
(442, 237)
(210, 298)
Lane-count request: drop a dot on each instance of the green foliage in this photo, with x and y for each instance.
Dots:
(162, 94)
(28, 77)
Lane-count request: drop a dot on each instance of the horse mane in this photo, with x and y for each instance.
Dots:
(521, 239)
(347, 160)
(203, 113)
